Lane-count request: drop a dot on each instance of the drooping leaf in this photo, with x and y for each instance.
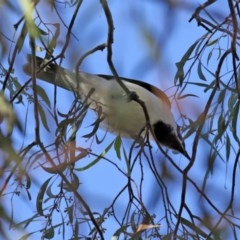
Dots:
(76, 229)
(117, 233)
(203, 85)
(200, 72)
(49, 192)
(42, 32)
(22, 37)
(7, 113)
(69, 211)
(209, 57)
(228, 147)
(187, 96)
(52, 44)
(210, 43)
(235, 116)
(28, 9)
(195, 228)
(180, 73)
(180, 65)
(117, 146)
(95, 125)
(63, 126)
(28, 181)
(27, 236)
(60, 167)
(42, 93)
(43, 117)
(28, 194)
(187, 55)
(40, 197)
(221, 96)
(74, 183)
(25, 223)
(97, 159)
(221, 126)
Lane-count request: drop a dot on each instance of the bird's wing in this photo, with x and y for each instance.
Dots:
(54, 74)
(156, 91)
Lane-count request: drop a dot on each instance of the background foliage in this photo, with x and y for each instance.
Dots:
(62, 178)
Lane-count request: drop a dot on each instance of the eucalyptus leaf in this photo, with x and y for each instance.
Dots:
(40, 196)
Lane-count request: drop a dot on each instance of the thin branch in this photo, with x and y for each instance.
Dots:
(196, 15)
(110, 40)
(194, 152)
(234, 43)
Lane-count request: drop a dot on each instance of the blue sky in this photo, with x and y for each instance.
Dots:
(149, 40)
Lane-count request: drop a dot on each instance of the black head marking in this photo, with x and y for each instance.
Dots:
(165, 135)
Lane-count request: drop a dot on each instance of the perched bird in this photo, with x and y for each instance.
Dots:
(121, 114)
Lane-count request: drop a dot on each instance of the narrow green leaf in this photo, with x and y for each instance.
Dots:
(187, 95)
(28, 9)
(55, 169)
(122, 229)
(25, 223)
(168, 236)
(69, 211)
(180, 73)
(63, 125)
(221, 126)
(231, 101)
(17, 86)
(74, 183)
(228, 147)
(22, 37)
(52, 44)
(76, 229)
(27, 236)
(97, 159)
(42, 32)
(221, 96)
(219, 53)
(235, 115)
(210, 43)
(6, 112)
(209, 57)
(204, 85)
(43, 117)
(194, 228)
(200, 72)
(192, 127)
(95, 125)
(127, 161)
(29, 194)
(40, 196)
(89, 165)
(117, 146)
(42, 93)
(187, 55)
(180, 65)
(28, 181)
(49, 193)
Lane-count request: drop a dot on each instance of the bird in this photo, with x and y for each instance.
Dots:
(122, 115)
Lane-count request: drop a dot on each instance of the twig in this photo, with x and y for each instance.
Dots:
(194, 152)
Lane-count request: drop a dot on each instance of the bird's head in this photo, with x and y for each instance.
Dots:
(169, 136)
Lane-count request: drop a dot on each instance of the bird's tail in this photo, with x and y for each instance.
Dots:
(49, 71)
